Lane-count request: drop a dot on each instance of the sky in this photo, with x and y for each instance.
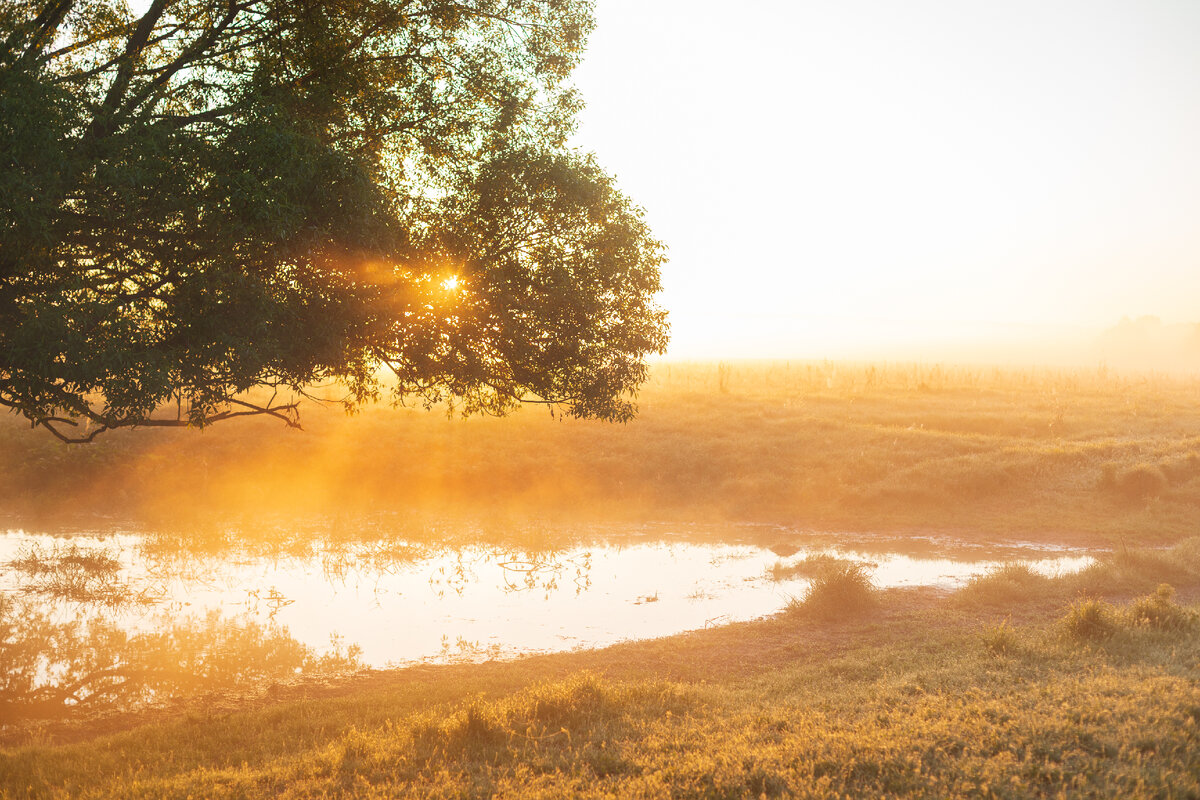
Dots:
(865, 178)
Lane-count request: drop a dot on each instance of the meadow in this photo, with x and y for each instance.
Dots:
(1017, 685)
(1075, 456)
(1012, 687)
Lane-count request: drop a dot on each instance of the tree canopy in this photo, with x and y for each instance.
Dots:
(201, 198)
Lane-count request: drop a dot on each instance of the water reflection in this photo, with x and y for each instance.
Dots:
(53, 668)
(124, 601)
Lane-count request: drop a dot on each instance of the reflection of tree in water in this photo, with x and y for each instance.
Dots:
(78, 636)
(51, 669)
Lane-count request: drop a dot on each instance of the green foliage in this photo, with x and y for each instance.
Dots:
(201, 198)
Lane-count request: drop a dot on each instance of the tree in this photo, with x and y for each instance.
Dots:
(202, 198)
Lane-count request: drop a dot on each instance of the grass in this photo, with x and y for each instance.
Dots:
(1089, 619)
(1001, 639)
(1136, 484)
(1159, 611)
(839, 590)
(925, 697)
(1009, 583)
(808, 567)
(95, 561)
(1020, 685)
(1082, 456)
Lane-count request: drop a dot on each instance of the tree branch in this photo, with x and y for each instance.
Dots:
(289, 414)
(102, 123)
(191, 53)
(45, 25)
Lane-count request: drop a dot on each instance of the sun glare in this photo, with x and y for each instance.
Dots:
(451, 284)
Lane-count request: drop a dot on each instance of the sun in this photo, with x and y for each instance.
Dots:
(451, 284)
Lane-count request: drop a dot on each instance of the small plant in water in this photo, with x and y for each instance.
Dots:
(79, 574)
(808, 567)
(89, 561)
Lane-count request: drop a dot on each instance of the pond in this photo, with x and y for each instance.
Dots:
(287, 606)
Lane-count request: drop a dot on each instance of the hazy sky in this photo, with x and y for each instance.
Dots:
(850, 177)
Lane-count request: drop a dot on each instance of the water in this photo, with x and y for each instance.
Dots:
(398, 602)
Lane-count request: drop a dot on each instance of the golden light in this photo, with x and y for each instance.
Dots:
(451, 284)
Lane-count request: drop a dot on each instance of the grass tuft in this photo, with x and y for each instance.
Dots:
(1009, 583)
(1159, 611)
(840, 591)
(1090, 620)
(79, 574)
(1001, 640)
(807, 567)
(1138, 570)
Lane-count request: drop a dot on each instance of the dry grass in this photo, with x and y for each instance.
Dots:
(1089, 619)
(894, 448)
(1159, 611)
(808, 567)
(1009, 583)
(839, 590)
(903, 703)
(920, 697)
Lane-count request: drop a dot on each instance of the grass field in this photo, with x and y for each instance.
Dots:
(1016, 686)
(915, 694)
(1079, 456)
